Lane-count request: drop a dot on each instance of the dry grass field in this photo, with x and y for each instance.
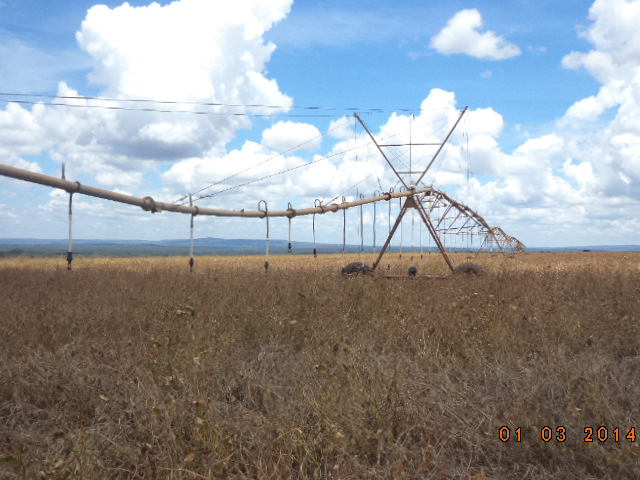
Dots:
(137, 368)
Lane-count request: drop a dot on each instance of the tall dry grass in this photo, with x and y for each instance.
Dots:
(139, 369)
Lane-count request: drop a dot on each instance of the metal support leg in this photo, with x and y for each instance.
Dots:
(393, 231)
(434, 234)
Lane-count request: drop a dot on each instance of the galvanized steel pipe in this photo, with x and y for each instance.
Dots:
(150, 205)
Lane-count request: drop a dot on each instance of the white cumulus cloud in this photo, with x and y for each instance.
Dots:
(463, 35)
(615, 62)
(286, 136)
(204, 60)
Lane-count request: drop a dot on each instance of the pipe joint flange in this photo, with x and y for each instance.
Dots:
(150, 205)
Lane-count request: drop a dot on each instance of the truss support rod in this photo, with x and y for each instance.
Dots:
(446, 230)
(150, 205)
(380, 150)
(442, 145)
(444, 215)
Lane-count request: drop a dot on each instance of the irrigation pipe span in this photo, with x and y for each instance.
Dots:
(150, 205)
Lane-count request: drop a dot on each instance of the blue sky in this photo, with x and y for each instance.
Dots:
(549, 139)
(380, 56)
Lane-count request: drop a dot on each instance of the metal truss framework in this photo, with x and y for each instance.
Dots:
(443, 216)
(454, 219)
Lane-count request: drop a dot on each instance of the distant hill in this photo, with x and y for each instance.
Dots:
(213, 246)
(125, 248)
(592, 248)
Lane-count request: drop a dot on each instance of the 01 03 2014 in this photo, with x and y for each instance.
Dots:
(559, 434)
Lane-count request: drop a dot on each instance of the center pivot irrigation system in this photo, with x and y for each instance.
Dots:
(443, 217)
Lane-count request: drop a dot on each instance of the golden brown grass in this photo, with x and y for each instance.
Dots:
(135, 368)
